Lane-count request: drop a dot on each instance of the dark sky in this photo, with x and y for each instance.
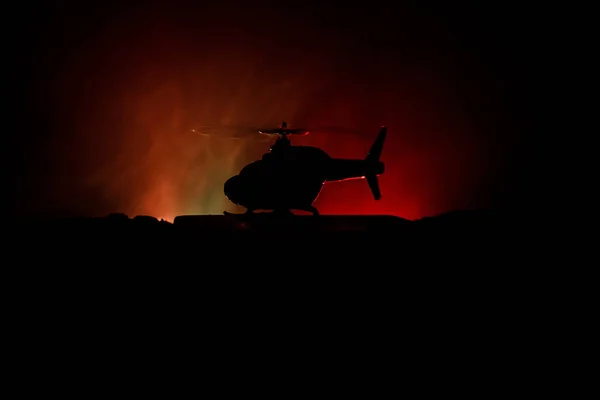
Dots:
(105, 96)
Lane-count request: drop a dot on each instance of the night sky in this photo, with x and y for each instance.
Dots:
(105, 97)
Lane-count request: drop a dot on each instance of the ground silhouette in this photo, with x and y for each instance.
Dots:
(451, 287)
(387, 239)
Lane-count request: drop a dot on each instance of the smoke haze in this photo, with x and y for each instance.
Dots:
(116, 93)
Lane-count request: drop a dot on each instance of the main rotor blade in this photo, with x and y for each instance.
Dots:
(226, 131)
(255, 133)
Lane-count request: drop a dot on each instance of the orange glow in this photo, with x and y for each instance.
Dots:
(126, 98)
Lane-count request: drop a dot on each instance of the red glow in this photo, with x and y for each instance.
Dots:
(127, 96)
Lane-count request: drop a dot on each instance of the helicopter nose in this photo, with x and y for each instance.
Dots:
(232, 189)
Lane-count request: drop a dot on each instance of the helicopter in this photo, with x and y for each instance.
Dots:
(291, 177)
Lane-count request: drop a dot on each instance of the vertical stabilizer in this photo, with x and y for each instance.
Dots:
(374, 166)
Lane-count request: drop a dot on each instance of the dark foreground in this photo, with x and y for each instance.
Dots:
(455, 227)
(432, 295)
(449, 245)
(458, 246)
(214, 243)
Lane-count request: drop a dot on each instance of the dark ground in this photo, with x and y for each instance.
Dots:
(481, 240)
(455, 299)
(463, 231)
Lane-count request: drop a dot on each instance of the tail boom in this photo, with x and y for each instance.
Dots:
(369, 168)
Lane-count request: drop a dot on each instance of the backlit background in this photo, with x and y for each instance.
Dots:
(110, 94)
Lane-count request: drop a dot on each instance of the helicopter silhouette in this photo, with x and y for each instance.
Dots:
(291, 177)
